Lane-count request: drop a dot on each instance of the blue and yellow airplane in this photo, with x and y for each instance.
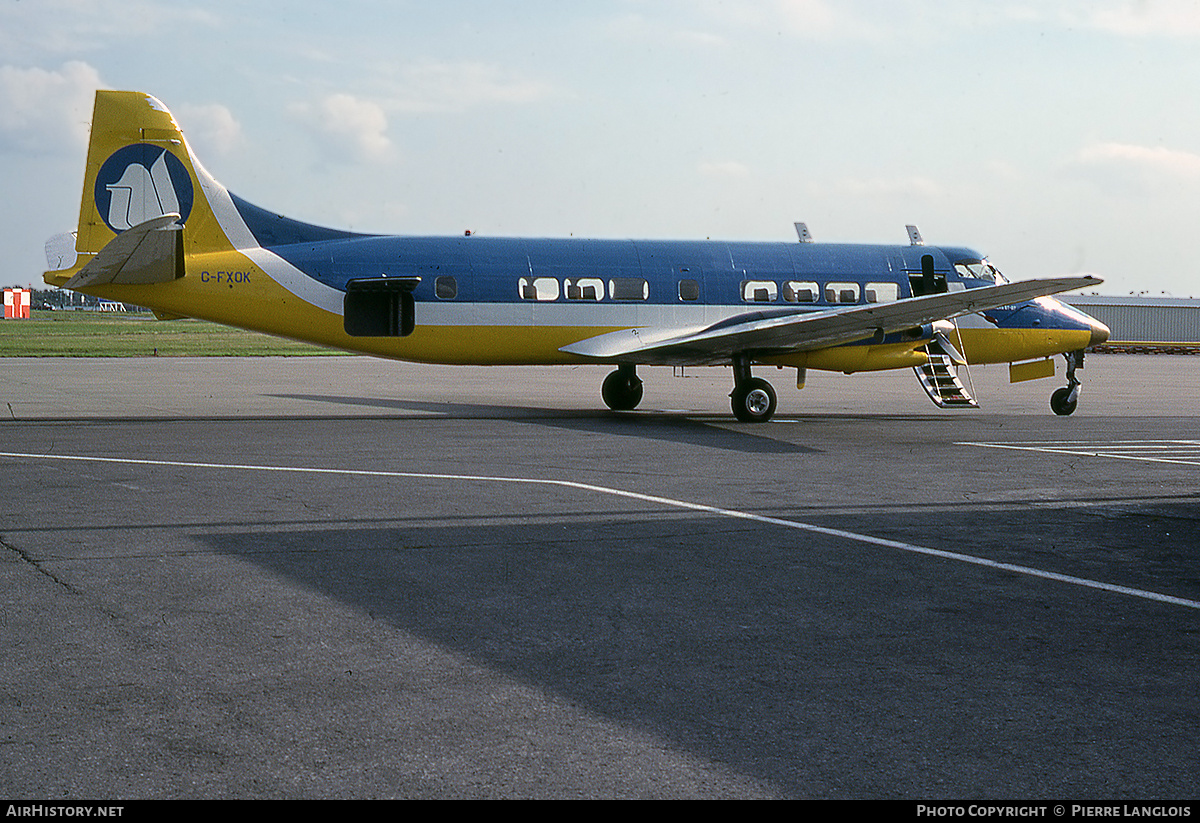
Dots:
(156, 230)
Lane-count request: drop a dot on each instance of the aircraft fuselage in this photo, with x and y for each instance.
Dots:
(156, 230)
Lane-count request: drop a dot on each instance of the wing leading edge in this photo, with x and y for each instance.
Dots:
(762, 333)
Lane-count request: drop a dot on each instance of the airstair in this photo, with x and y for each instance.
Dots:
(939, 378)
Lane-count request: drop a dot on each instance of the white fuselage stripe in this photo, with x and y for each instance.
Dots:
(243, 241)
(646, 498)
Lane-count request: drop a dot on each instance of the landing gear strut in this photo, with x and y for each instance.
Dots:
(622, 389)
(1064, 400)
(752, 399)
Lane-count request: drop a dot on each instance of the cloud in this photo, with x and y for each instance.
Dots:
(810, 18)
(72, 27)
(211, 129)
(878, 188)
(846, 20)
(920, 20)
(637, 28)
(724, 168)
(1129, 167)
(44, 112)
(439, 86)
(1169, 18)
(1125, 18)
(700, 39)
(806, 19)
(349, 127)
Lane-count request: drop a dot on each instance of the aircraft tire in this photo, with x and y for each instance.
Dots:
(753, 401)
(621, 392)
(1061, 402)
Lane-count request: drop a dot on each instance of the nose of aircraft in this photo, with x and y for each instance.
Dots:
(1076, 317)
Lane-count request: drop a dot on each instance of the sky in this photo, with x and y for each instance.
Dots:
(1054, 137)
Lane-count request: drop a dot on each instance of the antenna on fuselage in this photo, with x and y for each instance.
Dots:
(803, 233)
(914, 236)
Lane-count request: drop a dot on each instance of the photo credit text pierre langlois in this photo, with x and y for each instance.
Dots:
(1053, 810)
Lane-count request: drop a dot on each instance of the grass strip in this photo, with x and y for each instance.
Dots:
(118, 334)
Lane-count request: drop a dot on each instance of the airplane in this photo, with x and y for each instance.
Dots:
(157, 230)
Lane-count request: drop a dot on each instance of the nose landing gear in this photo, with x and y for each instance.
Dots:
(1064, 400)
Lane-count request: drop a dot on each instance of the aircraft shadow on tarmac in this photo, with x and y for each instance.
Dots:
(665, 426)
(787, 656)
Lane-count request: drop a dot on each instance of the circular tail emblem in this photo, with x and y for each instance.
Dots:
(139, 182)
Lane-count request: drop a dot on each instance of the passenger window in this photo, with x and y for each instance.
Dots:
(539, 288)
(446, 288)
(759, 291)
(882, 292)
(689, 290)
(585, 288)
(841, 292)
(795, 291)
(628, 288)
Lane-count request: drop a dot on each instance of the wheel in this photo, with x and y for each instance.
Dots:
(621, 390)
(753, 401)
(1062, 403)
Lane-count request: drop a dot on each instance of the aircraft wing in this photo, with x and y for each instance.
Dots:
(784, 331)
(150, 252)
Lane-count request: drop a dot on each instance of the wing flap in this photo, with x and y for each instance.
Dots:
(150, 252)
(762, 334)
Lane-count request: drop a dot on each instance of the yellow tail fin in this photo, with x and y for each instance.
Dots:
(139, 167)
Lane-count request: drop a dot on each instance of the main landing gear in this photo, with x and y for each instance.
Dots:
(622, 390)
(1064, 400)
(753, 399)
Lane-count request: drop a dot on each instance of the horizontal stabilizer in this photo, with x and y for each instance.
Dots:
(783, 331)
(150, 252)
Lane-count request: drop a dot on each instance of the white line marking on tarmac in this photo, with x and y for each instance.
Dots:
(1178, 452)
(647, 498)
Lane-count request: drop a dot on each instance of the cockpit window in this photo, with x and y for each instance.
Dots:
(979, 270)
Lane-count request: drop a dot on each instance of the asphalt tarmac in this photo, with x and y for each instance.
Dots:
(341, 577)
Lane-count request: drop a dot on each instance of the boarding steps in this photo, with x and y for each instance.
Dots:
(939, 378)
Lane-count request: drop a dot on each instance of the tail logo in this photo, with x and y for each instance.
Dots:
(139, 182)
